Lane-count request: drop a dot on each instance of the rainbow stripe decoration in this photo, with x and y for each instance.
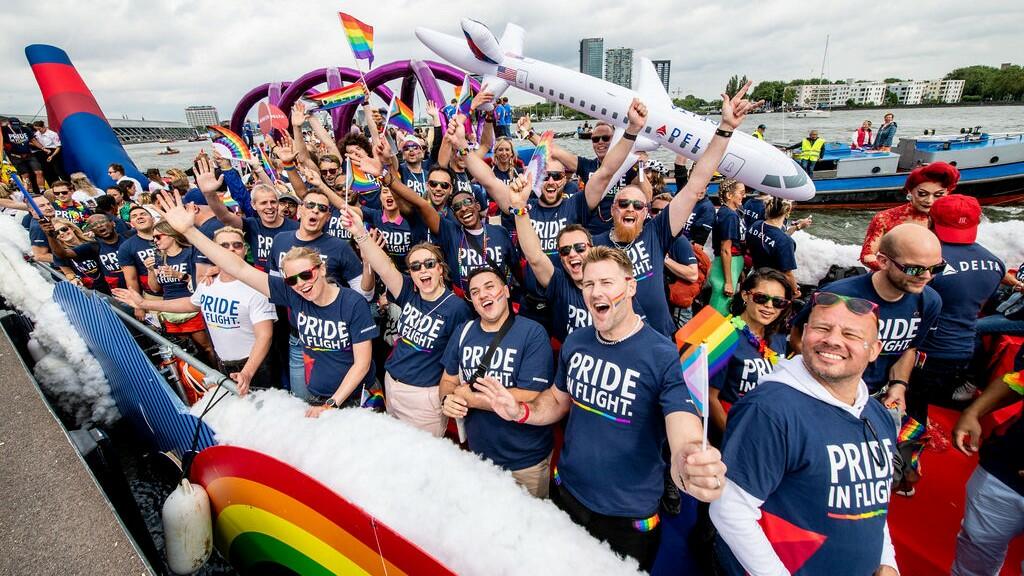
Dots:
(1015, 380)
(400, 116)
(358, 181)
(360, 37)
(611, 417)
(339, 97)
(465, 96)
(233, 142)
(271, 518)
(861, 516)
(265, 162)
(695, 373)
(374, 400)
(911, 430)
(538, 165)
(647, 524)
(709, 327)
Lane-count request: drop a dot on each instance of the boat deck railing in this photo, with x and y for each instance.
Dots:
(969, 141)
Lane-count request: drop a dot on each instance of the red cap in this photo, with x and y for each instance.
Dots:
(955, 218)
(945, 174)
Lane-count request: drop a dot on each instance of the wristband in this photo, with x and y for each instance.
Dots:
(897, 381)
(361, 238)
(723, 133)
(463, 151)
(629, 136)
(526, 413)
(530, 134)
(518, 211)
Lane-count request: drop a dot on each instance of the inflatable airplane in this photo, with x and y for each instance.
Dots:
(757, 164)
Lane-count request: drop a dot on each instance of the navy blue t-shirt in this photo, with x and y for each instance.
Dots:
(36, 235)
(903, 324)
(522, 360)
(463, 257)
(745, 368)
(424, 329)
(701, 220)
(817, 467)
(682, 251)
(86, 261)
(334, 226)
(548, 221)
(971, 277)
(261, 239)
(771, 247)
(415, 181)
(399, 235)
(327, 334)
(133, 252)
(752, 210)
(342, 263)
(184, 262)
(647, 253)
(109, 263)
(568, 309)
(612, 457)
(585, 167)
(726, 227)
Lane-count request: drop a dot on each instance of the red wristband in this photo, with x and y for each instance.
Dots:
(526, 413)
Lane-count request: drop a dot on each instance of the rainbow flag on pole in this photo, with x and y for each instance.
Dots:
(718, 332)
(268, 167)
(538, 165)
(695, 374)
(230, 140)
(345, 95)
(360, 37)
(358, 181)
(465, 96)
(400, 115)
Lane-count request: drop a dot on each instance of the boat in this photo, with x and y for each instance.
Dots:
(168, 151)
(991, 169)
(166, 140)
(810, 113)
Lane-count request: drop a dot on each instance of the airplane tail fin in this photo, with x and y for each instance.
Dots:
(481, 41)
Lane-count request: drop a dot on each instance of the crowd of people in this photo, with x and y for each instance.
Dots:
(496, 305)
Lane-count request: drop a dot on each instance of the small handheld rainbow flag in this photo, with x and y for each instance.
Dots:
(265, 162)
(373, 399)
(538, 164)
(695, 374)
(1015, 380)
(360, 37)
(233, 142)
(358, 181)
(912, 436)
(465, 96)
(711, 328)
(354, 92)
(400, 115)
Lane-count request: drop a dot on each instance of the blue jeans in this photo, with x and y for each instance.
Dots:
(297, 369)
(808, 166)
(993, 516)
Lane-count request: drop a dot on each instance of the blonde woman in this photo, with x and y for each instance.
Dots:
(85, 191)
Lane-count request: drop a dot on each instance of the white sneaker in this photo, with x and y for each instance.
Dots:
(965, 392)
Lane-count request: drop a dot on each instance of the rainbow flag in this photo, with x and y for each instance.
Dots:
(265, 162)
(233, 142)
(374, 399)
(911, 430)
(360, 37)
(695, 373)
(538, 165)
(465, 96)
(711, 328)
(1015, 380)
(358, 181)
(400, 116)
(354, 92)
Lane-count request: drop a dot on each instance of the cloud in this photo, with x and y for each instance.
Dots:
(156, 58)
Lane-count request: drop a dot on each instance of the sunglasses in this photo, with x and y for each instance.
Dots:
(777, 302)
(596, 139)
(328, 171)
(858, 306)
(303, 276)
(916, 269)
(429, 264)
(459, 205)
(439, 184)
(556, 176)
(579, 248)
(62, 230)
(160, 236)
(310, 205)
(408, 147)
(637, 205)
(232, 245)
(655, 211)
(61, 192)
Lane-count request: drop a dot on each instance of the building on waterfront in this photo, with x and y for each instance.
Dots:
(592, 57)
(910, 92)
(664, 69)
(928, 91)
(201, 116)
(618, 66)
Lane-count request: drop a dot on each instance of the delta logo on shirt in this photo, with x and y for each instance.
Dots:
(320, 335)
(419, 330)
(860, 479)
(219, 312)
(602, 387)
(640, 256)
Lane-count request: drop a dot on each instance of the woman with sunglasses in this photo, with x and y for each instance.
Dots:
(172, 272)
(240, 319)
(430, 313)
(923, 187)
(770, 246)
(333, 322)
(760, 311)
(75, 253)
(727, 245)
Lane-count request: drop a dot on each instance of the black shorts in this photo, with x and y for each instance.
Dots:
(26, 164)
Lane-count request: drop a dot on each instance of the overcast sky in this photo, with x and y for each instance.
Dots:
(154, 58)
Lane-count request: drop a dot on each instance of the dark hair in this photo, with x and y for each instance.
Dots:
(776, 207)
(482, 270)
(137, 207)
(105, 203)
(573, 228)
(436, 252)
(39, 124)
(330, 158)
(124, 184)
(451, 175)
(736, 306)
(356, 139)
(116, 167)
(62, 184)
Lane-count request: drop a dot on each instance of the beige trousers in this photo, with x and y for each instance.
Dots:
(415, 405)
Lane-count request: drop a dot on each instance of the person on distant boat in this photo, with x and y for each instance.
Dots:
(810, 152)
(886, 133)
(759, 133)
(862, 137)
(923, 186)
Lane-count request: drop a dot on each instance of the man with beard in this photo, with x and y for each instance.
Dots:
(620, 384)
(648, 242)
(133, 253)
(907, 306)
(810, 451)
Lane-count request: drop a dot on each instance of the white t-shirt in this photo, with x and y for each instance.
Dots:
(230, 310)
(89, 200)
(48, 139)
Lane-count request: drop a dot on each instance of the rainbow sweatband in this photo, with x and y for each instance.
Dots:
(647, 524)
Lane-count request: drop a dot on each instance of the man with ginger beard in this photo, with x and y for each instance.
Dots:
(648, 242)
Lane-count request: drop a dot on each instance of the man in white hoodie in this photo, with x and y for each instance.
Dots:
(809, 456)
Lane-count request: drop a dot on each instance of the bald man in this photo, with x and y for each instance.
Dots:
(909, 256)
(810, 448)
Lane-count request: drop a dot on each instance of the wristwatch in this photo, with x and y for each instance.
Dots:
(331, 403)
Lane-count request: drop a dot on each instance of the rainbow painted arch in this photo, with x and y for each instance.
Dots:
(269, 518)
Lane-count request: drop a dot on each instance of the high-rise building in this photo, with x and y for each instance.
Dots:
(618, 66)
(592, 56)
(201, 116)
(664, 69)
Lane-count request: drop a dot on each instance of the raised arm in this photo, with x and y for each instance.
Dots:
(286, 154)
(315, 182)
(734, 110)
(600, 180)
(436, 136)
(322, 135)
(529, 242)
(209, 183)
(568, 159)
(299, 117)
(372, 253)
(372, 166)
(476, 165)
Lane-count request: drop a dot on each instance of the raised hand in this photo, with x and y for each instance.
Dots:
(519, 190)
(311, 176)
(171, 209)
(480, 99)
(432, 110)
(298, 113)
(206, 178)
(502, 401)
(127, 297)
(524, 126)
(457, 131)
(380, 150)
(637, 116)
(366, 163)
(285, 150)
(735, 109)
(352, 221)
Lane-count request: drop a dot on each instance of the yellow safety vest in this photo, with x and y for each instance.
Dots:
(757, 135)
(810, 151)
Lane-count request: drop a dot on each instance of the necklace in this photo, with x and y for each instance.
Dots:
(759, 344)
(636, 328)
